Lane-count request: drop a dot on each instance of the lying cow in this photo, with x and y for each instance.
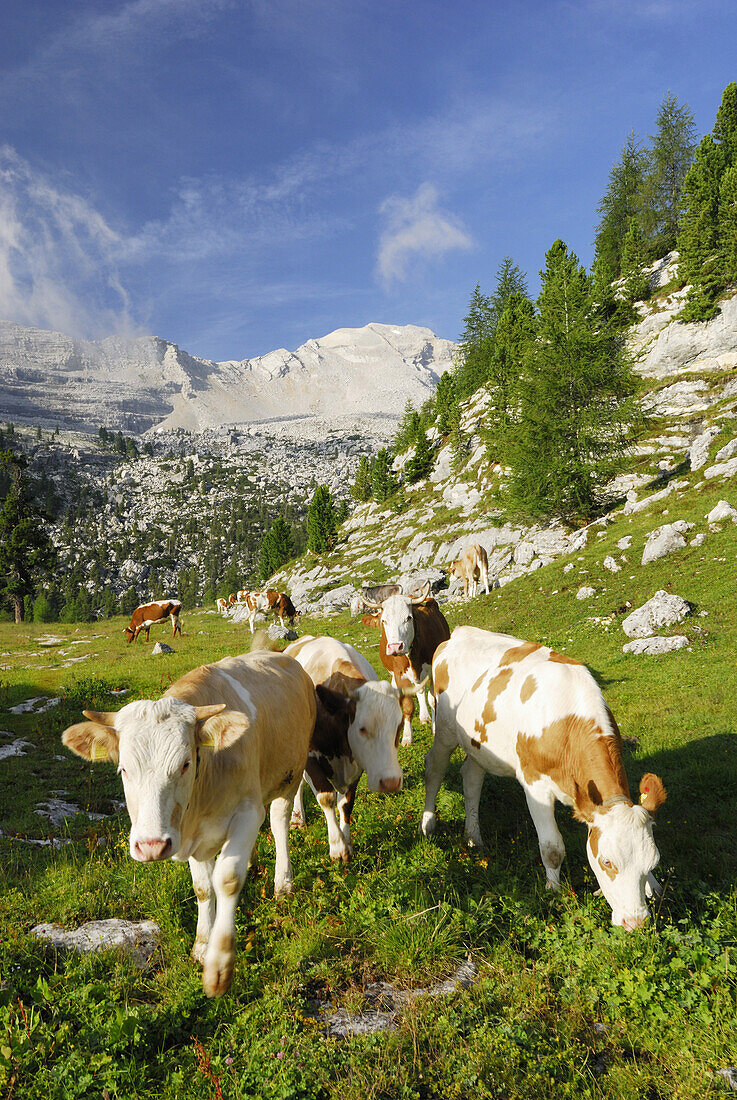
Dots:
(472, 568)
(149, 614)
(359, 719)
(199, 766)
(412, 627)
(521, 709)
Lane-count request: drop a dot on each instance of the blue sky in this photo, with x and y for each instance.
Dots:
(240, 175)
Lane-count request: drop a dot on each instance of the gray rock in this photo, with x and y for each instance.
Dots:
(662, 541)
(418, 578)
(663, 609)
(139, 939)
(729, 450)
(699, 450)
(721, 511)
(585, 593)
(161, 647)
(611, 564)
(654, 646)
(624, 543)
(524, 552)
(698, 540)
(721, 469)
(729, 1076)
(279, 633)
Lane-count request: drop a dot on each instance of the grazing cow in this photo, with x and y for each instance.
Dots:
(199, 766)
(148, 614)
(412, 627)
(472, 567)
(222, 605)
(359, 719)
(241, 595)
(281, 605)
(231, 599)
(521, 709)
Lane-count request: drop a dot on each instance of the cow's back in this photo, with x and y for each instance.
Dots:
(323, 657)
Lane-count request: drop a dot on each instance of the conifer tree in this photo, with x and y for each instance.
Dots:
(383, 481)
(475, 346)
(445, 401)
(421, 462)
(321, 521)
(510, 279)
(621, 203)
(514, 332)
(26, 551)
(361, 488)
(276, 548)
(576, 400)
(671, 153)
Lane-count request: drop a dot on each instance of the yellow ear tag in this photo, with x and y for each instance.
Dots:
(99, 752)
(210, 743)
(643, 796)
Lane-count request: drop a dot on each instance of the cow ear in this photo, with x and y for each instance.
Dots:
(652, 792)
(333, 701)
(92, 740)
(372, 620)
(218, 730)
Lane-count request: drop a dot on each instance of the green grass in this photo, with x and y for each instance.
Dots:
(565, 1005)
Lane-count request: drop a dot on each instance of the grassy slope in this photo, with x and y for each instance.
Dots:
(565, 1005)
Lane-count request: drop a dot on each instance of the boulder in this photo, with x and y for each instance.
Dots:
(654, 646)
(624, 543)
(279, 633)
(139, 939)
(729, 450)
(721, 511)
(664, 540)
(585, 593)
(161, 647)
(721, 469)
(524, 552)
(611, 564)
(699, 449)
(663, 609)
(416, 580)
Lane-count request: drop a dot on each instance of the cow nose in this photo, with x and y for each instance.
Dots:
(394, 647)
(390, 786)
(631, 923)
(148, 850)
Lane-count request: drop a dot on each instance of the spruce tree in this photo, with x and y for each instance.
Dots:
(445, 402)
(27, 555)
(576, 400)
(321, 521)
(276, 548)
(361, 488)
(383, 481)
(421, 463)
(514, 332)
(475, 346)
(671, 153)
(510, 279)
(621, 203)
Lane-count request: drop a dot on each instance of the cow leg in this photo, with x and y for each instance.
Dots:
(473, 779)
(148, 629)
(407, 727)
(299, 819)
(228, 877)
(485, 578)
(279, 814)
(436, 765)
(425, 716)
(325, 794)
(251, 619)
(345, 808)
(202, 881)
(541, 805)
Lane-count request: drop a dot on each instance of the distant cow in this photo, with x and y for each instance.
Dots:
(412, 627)
(199, 766)
(281, 605)
(359, 719)
(222, 605)
(242, 595)
(520, 709)
(470, 568)
(148, 614)
(255, 602)
(231, 599)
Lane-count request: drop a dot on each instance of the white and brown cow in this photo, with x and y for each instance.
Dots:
(199, 766)
(222, 605)
(359, 720)
(472, 568)
(241, 595)
(412, 627)
(282, 606)
(255, 602)
(149, 614)
(520, 709)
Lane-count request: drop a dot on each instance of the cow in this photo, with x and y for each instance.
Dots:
(241, 595)
(412, 627)
(521, 709)
(470, 568)
(359, 720)
(231, 599)
(222, 605)
(255, 602)
(148, 614)
(199, 766)
(281, 605)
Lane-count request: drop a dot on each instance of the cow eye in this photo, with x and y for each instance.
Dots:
(606, 864)
(362, 729)
(185, 765)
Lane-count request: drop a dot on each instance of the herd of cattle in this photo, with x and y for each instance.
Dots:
(201, 764)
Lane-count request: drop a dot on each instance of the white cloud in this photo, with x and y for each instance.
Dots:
(416, 227)
(57, 257)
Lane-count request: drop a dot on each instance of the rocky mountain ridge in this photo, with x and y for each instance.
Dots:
(342, 380)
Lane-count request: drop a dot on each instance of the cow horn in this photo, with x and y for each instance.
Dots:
(102, 717)
(203, 713)
(415, 689)
(422, 595)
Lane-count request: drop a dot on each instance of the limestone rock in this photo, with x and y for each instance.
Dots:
(279, 633)
(699, 450)
(654, 646)
(722, 469)
(611, 564)
(585, 592)
(721, 511)
(139, 939)
(729, 450)
(663, 609)
(664, 540)
(698, 540)
(161, 647)
(624, 543)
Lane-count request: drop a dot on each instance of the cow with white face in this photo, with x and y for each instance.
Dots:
(412, 627)
(199, 766)
(359, 719)
(521, 709)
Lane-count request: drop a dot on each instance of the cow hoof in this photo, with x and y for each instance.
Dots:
(297, 822)
(216, 979)
(550, 885)
(406, 741)
(428, 824)
(283, 889)
(198, 951)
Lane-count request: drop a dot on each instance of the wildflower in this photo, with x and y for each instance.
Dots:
(229, 1060)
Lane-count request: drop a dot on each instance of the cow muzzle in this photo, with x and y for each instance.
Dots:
(391, 785)
(149, 850)
(631, 924)
(394, 649)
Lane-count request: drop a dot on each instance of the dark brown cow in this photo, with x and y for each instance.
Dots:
(412, 628)
(148, 614)
(281, 605)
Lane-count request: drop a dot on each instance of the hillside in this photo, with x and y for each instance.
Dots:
(346, 378)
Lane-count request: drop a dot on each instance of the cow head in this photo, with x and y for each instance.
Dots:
(130, 634)
(623, 854)
(397, 621)
(156, 746)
